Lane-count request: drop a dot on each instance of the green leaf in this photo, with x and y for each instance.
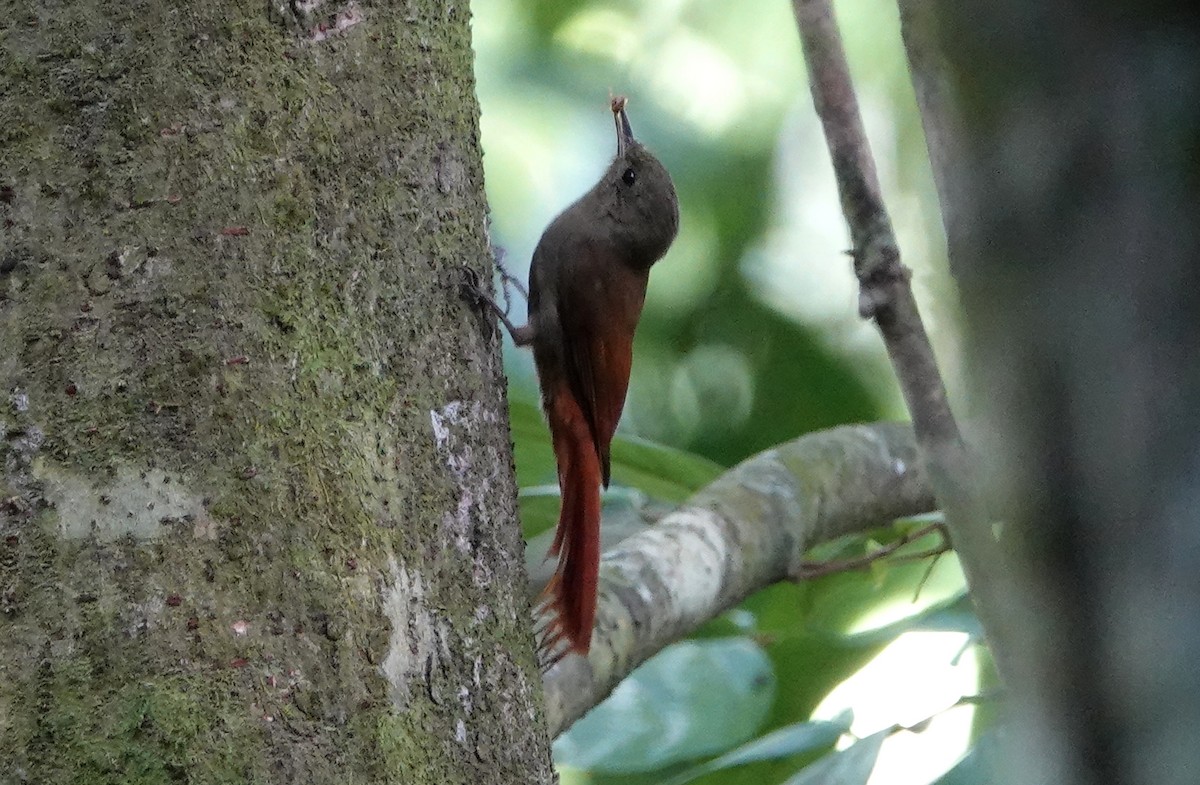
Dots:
(982, 763)
(797, 739)
(809, 662)
(659, 471)
(531, 444)
(538, 506)
(851, 766)
(693, 699)
(958, 616)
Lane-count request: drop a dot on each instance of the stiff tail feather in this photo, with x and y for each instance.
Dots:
(569, 599)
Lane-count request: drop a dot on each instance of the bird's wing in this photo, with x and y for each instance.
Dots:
(598, 308)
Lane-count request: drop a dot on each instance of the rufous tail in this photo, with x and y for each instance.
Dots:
(569, 599)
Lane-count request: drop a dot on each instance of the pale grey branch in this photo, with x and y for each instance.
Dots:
(747, 530)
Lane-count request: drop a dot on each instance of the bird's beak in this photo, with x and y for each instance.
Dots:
(624, 132)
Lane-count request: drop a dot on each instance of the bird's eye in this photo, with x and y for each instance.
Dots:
(629, 177)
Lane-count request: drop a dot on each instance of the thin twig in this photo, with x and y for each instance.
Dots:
(809, 570)
(932, 563)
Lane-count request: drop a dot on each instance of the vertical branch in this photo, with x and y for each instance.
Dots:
(939, 120)
(886, 297)
(884, 291)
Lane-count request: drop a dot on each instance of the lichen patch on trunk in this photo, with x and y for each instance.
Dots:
(136, 502)
(415, 640)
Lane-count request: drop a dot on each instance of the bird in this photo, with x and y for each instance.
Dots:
(587, 286)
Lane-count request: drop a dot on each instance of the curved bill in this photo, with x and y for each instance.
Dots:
(624, 132)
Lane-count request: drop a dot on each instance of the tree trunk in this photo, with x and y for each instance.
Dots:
(258, 503)
(1079, 263)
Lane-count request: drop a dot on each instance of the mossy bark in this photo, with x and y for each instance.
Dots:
(257, 501)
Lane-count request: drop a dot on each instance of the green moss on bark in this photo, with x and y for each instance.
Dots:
(170, 730)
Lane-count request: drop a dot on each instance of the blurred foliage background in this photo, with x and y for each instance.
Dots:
(749, 337)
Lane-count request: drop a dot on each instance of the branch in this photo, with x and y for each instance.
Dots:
(886, 296)
(747, 530)
(810, 570)
(884, 291)
(941, 123)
